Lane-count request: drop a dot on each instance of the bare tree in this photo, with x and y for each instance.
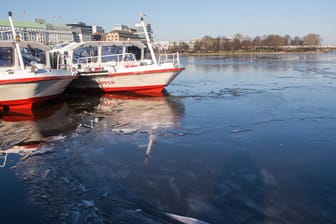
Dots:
(287, 40)
(312, 39)
(247, 42)
(240, 41)
(217, 44)
(297, 41)
(257, 41)
(206, 43)
(183, 46)
(198, 45)
(274, 40)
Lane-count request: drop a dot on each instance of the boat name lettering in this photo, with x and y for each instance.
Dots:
(109, 82)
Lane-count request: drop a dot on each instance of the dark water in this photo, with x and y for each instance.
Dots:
(235, 140)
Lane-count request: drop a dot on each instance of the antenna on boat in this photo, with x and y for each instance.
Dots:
(149, 44)
(16, 40)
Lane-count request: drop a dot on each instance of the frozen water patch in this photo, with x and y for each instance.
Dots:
(226, 92)
(241, 130)
(125, 131)
(13, 134)
(180, 132)
(186, 220)
(314, 70)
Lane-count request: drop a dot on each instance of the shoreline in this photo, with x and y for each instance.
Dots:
(246, 53)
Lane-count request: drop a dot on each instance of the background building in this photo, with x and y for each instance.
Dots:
(51, 33)
(118, 35)
(81, 31)
(120, 27)
(97, 29)
(121, 32)
(26, 30)
(97, 33)
(39, 31)
(58, 33)
(140, 31)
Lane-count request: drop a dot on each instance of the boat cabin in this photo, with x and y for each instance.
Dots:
(99, 55)
(33, 55)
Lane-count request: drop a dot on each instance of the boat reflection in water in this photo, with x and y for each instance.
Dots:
(130, 113)
(87, 170)
(25, 130)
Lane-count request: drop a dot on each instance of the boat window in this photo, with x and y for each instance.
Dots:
(129, 57)
(85, 54)
(109, 51)
(147, 54)
(30, 54)
(134, 50)
(6, 56)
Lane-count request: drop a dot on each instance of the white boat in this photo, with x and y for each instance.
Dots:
(112, 66)
(26, 76)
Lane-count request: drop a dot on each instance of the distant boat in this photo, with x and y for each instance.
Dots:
(26, 77)
(114, 66)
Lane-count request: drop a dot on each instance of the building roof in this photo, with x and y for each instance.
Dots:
(56, 26)
(23, 24)
(124, 34)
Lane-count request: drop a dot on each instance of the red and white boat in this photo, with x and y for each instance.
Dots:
(26, 76)
(112, 66)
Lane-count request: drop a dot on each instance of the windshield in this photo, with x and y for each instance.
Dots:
(30, 54)
(85, 54)
(6, 56)
(110, 53)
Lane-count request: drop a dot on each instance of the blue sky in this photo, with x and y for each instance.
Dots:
(176, 20)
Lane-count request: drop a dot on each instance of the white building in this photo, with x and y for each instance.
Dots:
(97, 30)
(40, 31)
(120, 27)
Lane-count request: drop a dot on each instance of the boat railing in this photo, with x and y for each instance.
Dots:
(64, 67)
(114, 60)
(169, 58)
(61, 61)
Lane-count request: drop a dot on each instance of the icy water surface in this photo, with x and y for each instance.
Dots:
(235, 140)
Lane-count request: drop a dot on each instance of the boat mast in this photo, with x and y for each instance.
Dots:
(16, 41)
(149, 44)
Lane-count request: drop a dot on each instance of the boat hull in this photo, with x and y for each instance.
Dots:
(24, 92)
(151, 80)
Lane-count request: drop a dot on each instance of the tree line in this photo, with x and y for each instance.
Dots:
(242, 42)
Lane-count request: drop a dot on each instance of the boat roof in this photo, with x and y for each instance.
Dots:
(114, 43)
(75, 45)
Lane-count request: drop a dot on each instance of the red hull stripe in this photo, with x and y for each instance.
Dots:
(35, 79)
(147, 72)
(28, 101)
